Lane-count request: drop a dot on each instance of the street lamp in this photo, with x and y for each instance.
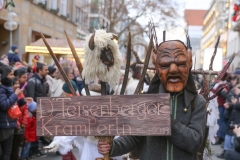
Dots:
(10, 24)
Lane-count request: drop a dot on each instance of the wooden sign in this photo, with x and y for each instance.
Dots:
(104, 115)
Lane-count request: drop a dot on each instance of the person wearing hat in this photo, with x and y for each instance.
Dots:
(67, 90)
(7, 99)
(13, 55)
(52, 71)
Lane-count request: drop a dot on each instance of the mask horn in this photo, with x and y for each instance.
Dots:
(188, 43)
(114, 37)
(91, 42)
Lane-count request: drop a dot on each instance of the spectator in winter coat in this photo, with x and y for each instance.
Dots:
(7, 99)
(233, 119)
(22, 76)
(55, 84)
(13, 55)
(36, 86)
(222, 121)
(22, 121)
(228, 105)
(234, 154)
(30, 133)
(52, 71)
(78, 80)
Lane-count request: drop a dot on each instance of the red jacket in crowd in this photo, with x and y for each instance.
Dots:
(30, 133)
(24, 110)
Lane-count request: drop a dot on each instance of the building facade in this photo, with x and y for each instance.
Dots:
(215, 23)
(98, 15)
(50, 17)
(195, 26)
(233, 38)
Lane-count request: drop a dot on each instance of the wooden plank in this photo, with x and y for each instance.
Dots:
(144, 115)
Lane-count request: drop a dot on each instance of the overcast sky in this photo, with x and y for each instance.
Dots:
(186, 4)
(197, 4)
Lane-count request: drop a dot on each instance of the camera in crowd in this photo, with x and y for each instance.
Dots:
(232, 125)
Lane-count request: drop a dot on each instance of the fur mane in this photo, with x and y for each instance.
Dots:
(93, 66)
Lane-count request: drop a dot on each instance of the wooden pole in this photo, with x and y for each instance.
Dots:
(214, 54)
(145, 66)
(125, 80)
(78, 62)
(59, 66)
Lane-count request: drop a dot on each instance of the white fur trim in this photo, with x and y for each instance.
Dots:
(93, 66)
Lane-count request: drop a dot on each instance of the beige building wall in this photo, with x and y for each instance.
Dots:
(34, 19)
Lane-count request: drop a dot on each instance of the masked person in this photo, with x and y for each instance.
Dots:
(173, 63)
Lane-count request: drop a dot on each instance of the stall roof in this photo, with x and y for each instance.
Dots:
(59, 46)
(59, 43)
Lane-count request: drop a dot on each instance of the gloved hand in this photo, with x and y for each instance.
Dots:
(53, 147)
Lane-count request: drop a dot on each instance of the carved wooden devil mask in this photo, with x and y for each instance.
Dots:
(173, 63)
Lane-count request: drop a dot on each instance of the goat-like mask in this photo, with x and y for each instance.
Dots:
(106, 53)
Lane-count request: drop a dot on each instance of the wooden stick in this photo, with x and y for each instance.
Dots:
(59, 66)
(164, 35)
(192, 71)
(214, 54)
(78, 62)
(125, 80)
(205, 72)
(107, 139)
(103, 88)
(145, 66)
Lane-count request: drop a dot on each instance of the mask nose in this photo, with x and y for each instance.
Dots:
(173, 68)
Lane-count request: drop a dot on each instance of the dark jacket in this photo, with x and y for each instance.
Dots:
(79, 83)
(7, 99)
(235, 115)
(188, 130)
(36, 87)
(237, 144)
(13, 57)
(228, 111)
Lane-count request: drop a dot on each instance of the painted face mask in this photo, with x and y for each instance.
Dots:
(173, 63)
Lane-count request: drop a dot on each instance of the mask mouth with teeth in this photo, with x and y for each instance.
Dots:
(102, 59)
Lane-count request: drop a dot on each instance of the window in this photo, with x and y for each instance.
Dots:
(53, 4)
(63, 7)
(94, 6)
(41, 1)
(93, 24)
(78, 15)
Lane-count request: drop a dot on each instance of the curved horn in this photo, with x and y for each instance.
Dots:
(91, 42)
(114, 37)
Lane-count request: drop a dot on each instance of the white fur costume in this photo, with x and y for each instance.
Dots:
(131, 85)
(212, 119)
(93, 65)
(87, 146)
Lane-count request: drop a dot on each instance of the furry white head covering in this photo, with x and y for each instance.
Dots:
(93, 65)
